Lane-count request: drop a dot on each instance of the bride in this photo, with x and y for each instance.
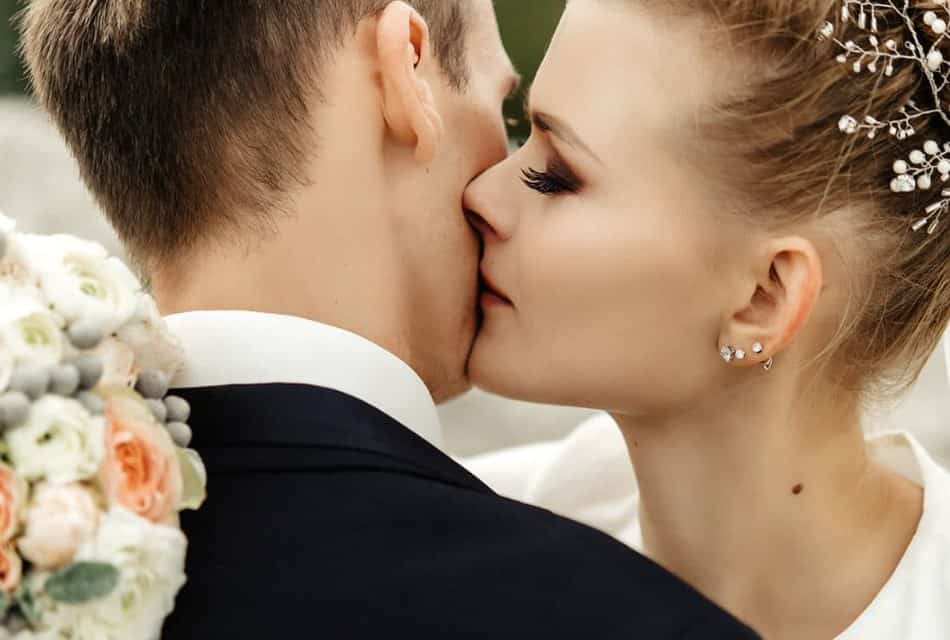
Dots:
(707, 238)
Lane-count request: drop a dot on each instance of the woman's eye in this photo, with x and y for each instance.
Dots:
(549, 182)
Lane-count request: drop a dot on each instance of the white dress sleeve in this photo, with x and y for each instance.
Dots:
(586, 477)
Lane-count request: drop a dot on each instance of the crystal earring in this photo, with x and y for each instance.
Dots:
(730, 353)
(757, 348)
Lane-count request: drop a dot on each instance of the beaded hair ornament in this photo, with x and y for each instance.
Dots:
(868, 53)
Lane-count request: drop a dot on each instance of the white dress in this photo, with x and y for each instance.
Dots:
(588, 477)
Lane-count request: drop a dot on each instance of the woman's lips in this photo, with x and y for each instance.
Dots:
(492, 295)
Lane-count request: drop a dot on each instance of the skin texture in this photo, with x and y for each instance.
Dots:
(755, 487)
(377, 242)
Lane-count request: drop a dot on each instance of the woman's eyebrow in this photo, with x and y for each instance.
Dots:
(557, 127)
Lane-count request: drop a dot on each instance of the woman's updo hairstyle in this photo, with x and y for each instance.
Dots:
(792, 161)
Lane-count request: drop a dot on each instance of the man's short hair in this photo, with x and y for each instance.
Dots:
(190, 119)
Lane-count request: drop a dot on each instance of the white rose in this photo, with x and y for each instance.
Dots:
(148, 336)
(29, 332)
(151, 563)
(60, 519)
(80, 280)
(60, 442)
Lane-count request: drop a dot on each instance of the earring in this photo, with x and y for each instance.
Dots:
(730, 353)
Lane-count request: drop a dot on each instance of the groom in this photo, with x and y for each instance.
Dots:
(290, 174)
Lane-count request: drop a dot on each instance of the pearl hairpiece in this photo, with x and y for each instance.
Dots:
(922, 166)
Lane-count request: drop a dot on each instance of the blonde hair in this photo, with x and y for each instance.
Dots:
(796, 165)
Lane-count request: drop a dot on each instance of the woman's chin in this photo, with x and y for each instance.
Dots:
(493, 368)
(505, 372)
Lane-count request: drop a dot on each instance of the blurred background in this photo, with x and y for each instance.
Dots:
(39, 185)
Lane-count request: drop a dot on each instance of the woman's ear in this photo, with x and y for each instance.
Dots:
(784, 291)
(409, 107)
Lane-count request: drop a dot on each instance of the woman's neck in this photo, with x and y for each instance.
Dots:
(772, 508)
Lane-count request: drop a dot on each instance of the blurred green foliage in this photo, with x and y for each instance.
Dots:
(526, 27)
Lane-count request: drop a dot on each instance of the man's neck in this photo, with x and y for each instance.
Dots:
(347, 275)
(771, 507)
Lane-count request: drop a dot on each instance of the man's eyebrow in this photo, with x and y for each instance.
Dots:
(556, 127)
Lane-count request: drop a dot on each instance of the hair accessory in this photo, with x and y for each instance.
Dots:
(923, 167)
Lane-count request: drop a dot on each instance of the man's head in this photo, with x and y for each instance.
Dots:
(302, 156)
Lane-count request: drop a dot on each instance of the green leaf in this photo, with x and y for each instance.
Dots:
(27, 606)
(194, 479)
(5, 603)
(82, 581)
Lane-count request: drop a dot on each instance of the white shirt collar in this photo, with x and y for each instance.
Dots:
(242, 347)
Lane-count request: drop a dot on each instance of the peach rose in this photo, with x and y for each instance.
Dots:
(12, 493)
(59, 520)
(11, 569)
(141, 471)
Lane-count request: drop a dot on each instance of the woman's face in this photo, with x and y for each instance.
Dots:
(600, 231)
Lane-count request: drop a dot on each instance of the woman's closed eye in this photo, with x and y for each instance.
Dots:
(557, 178)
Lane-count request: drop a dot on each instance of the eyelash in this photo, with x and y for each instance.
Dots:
(554, 180)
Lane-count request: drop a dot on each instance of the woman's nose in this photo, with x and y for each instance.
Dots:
(487, 204)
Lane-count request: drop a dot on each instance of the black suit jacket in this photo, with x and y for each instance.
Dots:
(327, 519)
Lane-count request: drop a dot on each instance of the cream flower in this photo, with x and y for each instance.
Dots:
(59, 442)
(28, 331)
(80, 280)
(118, 364)
(60, 519)
(148, 336)
(151, 563)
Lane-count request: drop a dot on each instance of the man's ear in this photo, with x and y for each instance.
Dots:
(781, 296)
(409, 107)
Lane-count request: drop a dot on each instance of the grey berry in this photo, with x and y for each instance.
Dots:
(180, 433)
(152, 384)
(14, 408)
(32, 380)
(178, 409)
(86, 334)
(90, 370)
(158, 409)
(64, 379)
(92, 402)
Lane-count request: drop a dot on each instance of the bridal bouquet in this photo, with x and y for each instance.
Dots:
(94, 465)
